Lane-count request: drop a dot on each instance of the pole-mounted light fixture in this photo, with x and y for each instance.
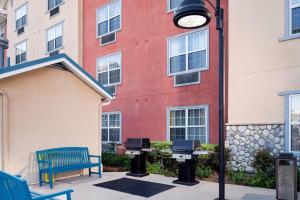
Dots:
(192, 14)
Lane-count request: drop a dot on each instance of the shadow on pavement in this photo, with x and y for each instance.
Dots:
(257, 197)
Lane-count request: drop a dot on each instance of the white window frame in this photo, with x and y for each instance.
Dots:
(48, 29)
(97, 20)
(48, 10)
(108, 70)
(290, 123)
(24, 41)
(169, 7)
(120, 127)
(186, 108)
(186, 84)
(291, 6)
(187, 52)
(20, 7)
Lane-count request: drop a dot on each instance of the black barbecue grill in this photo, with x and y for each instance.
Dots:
(184, 151)
(136, 149)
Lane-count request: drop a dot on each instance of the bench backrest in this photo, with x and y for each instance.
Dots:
(13, 188)
(62, 157)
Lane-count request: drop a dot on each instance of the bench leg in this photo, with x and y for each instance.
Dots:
(68, 196)
(41, 179)
(51, 180)
(90, 172)
(99, 170)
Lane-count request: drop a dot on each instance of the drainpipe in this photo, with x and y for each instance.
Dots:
(4, 130)
(3, 46)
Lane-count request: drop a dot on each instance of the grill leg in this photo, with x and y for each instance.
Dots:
(89, 172)
(41, 179)
(186, 174)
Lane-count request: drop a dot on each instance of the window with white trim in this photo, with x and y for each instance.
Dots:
(21, 51)
(2, 30)
(52, 4)
(109, 70)
(55, 38)
(109, 18)
(294, 122)
(295, 16)
(111, 127)
(173, 4)
(189, 123)
(21, 16)
(188, 53)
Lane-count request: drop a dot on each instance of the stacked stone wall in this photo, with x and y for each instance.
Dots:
(245, 140)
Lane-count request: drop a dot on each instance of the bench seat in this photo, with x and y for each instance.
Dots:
(16, 188)
(66, 159)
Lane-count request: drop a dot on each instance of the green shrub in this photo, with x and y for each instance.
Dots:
(264, 162)
(114, 160)
(153, 168)
(160, 145)
(204, 172)
(254, 180)
(262, 180)
(209, 147)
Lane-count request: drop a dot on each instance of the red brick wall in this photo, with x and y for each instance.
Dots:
(146, 91)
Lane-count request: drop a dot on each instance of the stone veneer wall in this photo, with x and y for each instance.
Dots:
(245, 140)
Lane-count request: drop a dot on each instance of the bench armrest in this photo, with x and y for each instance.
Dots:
(95, 156)
(49, 196)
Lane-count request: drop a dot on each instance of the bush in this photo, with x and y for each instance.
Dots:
(114, 160)
(212, 158)
(264, 162)
(254, 180)
(160, 145)
(204, 172)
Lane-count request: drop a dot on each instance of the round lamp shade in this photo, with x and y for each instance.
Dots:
(191, 14)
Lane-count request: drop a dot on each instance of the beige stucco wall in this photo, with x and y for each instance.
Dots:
(260, 65)
(38, 21)
(48, 108)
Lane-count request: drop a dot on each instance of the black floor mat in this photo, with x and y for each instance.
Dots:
(135, 187)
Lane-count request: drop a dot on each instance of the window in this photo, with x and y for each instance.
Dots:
(21, 50)
(188, 53)
(294, 122)
(109, 70)
(21, 16)
(52, 4)
(295, 16)
(109, 18)
(111, 127)
(188, 123)
(55, 38)
(2, 30)
(187, 79)
(173, 4)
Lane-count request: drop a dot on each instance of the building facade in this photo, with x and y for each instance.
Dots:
(264, 84)
(165, 79)
(38, 29)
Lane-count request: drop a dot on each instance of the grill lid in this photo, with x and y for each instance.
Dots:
(138, 143)
(185, 145)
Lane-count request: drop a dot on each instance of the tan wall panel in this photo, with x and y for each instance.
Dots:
(260, 65)
(49, 108)
(38, 21)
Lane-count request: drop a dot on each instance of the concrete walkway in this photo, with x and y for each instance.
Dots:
(84, 189)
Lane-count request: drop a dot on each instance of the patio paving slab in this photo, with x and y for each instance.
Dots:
(85, 190)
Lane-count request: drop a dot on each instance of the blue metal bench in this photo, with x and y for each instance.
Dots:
(66, 159)
(15, 188)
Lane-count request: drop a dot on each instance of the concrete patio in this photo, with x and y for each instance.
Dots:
(84, 189)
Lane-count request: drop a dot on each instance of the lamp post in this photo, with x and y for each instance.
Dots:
(192, 14)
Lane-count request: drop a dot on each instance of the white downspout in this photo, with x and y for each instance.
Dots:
(4, 130)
